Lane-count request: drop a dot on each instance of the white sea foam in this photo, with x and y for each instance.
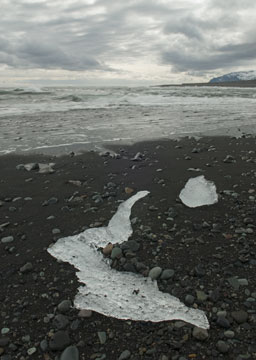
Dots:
(118, 294)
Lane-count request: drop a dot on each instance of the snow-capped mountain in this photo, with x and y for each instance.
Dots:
(235, 76)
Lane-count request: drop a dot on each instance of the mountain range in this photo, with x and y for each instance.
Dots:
(235, 76)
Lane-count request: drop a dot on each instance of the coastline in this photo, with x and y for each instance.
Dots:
(211, 249)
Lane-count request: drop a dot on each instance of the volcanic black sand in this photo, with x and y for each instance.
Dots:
(211, 250)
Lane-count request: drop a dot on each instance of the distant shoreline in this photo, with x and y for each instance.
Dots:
(242, 83)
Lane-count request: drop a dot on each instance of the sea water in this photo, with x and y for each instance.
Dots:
(64, 119)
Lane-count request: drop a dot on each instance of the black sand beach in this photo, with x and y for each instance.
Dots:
(211, 250)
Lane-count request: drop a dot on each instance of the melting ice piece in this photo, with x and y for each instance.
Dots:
(118, 294)
(198, 192)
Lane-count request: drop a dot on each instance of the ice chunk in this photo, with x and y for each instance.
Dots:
(118, 294)
(198, 192)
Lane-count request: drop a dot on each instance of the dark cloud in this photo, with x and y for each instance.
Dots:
(190, 36)
(221, 58)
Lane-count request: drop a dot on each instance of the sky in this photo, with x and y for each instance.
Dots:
(124, 42)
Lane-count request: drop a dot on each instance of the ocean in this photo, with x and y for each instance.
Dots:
(57, 120)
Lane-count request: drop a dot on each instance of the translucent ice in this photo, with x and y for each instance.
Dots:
(118, 294)
(198, 192)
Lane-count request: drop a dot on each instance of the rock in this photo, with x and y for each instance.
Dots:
(234, 283)
(229, 334)
(240, 316)
(7, 239)
(64, 306)
(116, 253)
(26, 268)
(51, 201)
(155, 272)
(199, 270)
(5, 331)
(201, 295)
(46, 168)
(167, 274)
(243, 282)
(189, 299)
(20, 167)
(70, 353)
(223, 322)
(130, 245)
(56, 231)
(222, 346)
(102, 337)
(137, 157)
(75, 182)
(44, 345)
(107, 249)
(125, 355)
(60, 322)
(229, 159)
(128, 190)
(200, 334)
(31, 166)
(59, 341)
(85, 313)
(31, 351)
(75, 324)
(4, 341)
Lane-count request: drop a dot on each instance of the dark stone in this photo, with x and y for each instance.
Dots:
(60, 322)
(223, 322)
(59, 341)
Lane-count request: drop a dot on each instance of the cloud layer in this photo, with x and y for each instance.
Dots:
(128, 38)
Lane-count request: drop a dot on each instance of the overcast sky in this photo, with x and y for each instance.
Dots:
(124, 41)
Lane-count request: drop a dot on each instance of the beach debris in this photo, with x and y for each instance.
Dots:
(229, 159)
(195, 169)
(42, 168)
(137, 157)
(121, 295)
(128, 190)
(46, 168)
(75, 182)
(198, 192)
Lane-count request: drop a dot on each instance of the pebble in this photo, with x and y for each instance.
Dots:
(201, 295)
(240, 316)
(4, 341)
(167, 274)
(60, 322)
(26, 268)
(102, 337)
(64, 306)
(56, 231)
(7, 239)
(44, 345)
(85, 313)
(125, 355)
(5, 331)
(59, 341)
(223, 322)
(155, 272)
(116, 253)
(70, 353)
(31, 351)
(107, 249)
(189, 299)
(200, 334)
(229, 334)
(222, 346)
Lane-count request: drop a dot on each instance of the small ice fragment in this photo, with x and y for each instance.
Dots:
(117, 294)
(198, 192)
